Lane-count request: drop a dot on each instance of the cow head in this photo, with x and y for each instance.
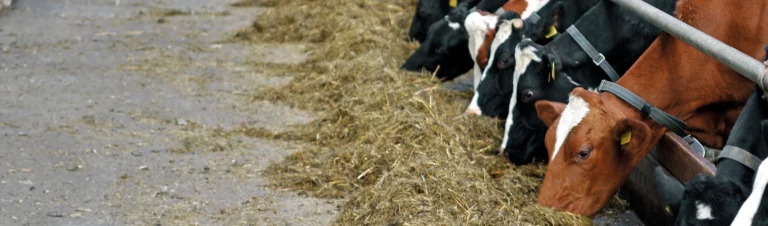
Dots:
(592, 149)
(704, 200)
(445, 46)
(427, 13)
(491, 99)
(539, 76)
(493, 92)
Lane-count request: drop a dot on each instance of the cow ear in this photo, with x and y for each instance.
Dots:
(551, 59)
(669, 188)
(634, 137)
(549, 111)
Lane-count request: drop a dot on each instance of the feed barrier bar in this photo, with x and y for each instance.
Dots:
(745, 65)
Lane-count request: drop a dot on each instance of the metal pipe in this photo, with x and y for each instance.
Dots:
(743, 64)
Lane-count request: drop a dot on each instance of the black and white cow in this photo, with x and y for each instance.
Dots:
(446, 43)
(716, 200)
(479, 24)
(491, 99)
(754, 211)
(550, 72)
(445, 46)
(429, 12)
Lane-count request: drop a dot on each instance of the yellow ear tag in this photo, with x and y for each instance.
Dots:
(552, 74)
(453, 3)
(626, 137)
(552, 32)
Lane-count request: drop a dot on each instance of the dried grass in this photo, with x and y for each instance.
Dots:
(394, 144)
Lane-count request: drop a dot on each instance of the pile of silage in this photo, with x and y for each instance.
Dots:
(394, 144)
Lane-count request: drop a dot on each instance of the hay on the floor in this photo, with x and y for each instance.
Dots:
(394, 144)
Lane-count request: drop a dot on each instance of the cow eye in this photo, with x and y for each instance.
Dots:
(528, 94)
(585, 152)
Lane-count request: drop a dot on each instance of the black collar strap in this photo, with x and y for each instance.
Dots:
(675, 125)
(741, 156)
(597, 57)
(534, 17)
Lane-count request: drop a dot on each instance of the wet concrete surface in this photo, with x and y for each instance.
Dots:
(110, 111)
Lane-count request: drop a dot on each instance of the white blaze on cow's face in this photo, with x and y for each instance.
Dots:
(749, 208)
(505, 30)
(453, 25)
(574, 112)
(703, 211)
(523, 58)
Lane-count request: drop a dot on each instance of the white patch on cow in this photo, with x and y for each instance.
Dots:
(523, 58)
(505, 30)
(573, 82)
(749, 208)
(477, 27)
(703, 211)
(473, 107)
(533, 6)
(453, 25)
(574, 112)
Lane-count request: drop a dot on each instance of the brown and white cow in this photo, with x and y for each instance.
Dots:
(588, 163)
(481, 27)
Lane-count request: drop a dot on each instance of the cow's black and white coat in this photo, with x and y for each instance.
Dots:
(478, 25)
(613, 30)
(446, 43)
(492, 94)
(428, 12)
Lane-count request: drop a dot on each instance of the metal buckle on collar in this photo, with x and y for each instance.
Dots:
(534, 17)
(695, 144)
(600, 59)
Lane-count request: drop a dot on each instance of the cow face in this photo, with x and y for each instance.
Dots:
(492, 94)
(427, 12)
(705, 200)
(592, 149)
(540, 78)
(492, 99)
(445, 46)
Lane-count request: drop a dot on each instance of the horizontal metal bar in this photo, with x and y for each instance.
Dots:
(743, 64)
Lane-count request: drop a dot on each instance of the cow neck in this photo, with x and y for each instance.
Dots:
(615, 104)
(680, 80)
(746, 146)
(577, 48)
(659, 116)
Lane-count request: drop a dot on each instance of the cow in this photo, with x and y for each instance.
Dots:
(446, 44)
(481, 27)
(429, 12)
(553, 17)
(754, 211)
(715, 200)
(610, 29)
(597, 139)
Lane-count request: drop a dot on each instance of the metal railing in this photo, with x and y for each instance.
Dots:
(743, 64)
